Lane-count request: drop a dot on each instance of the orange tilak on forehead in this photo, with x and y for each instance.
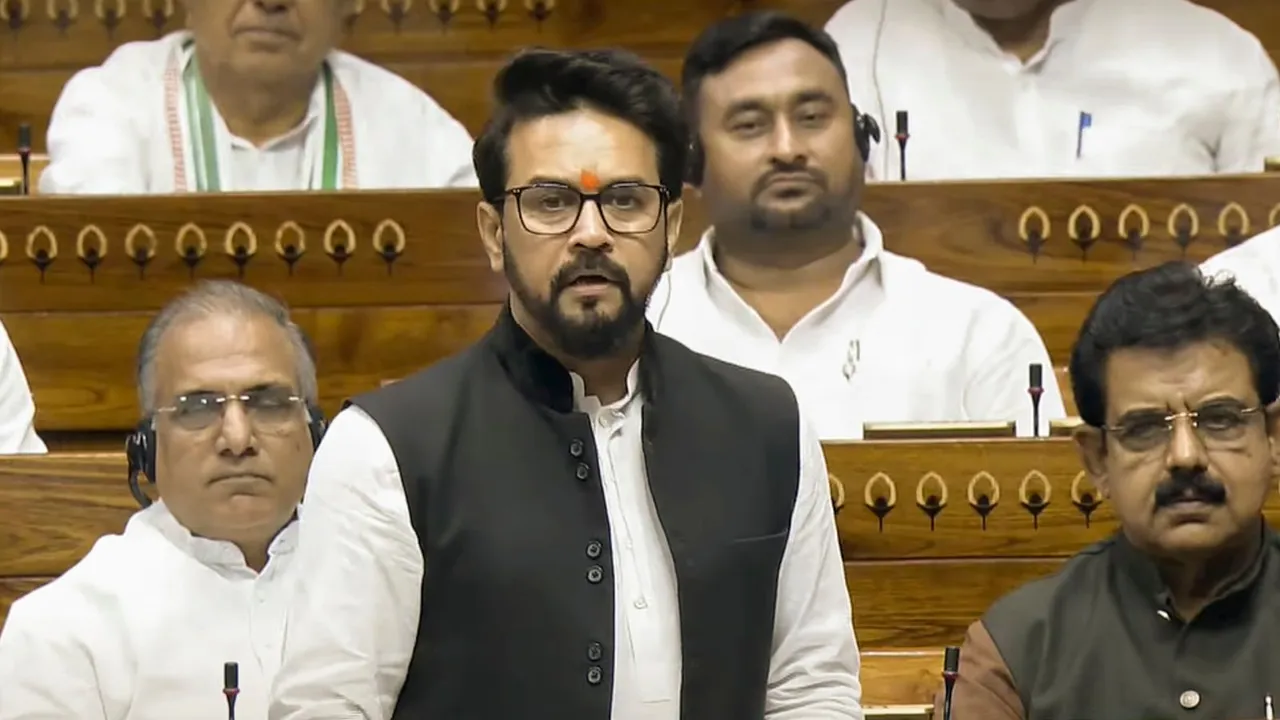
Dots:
(589, 181)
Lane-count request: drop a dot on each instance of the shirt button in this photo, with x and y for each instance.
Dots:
(1189, 699)
(583, 472)
(640, 604)
(595, 574)
(575, 448)
(595, 651)
(593, 549)
(594, 674)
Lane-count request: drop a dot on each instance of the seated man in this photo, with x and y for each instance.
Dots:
(17, 408)
(1052, 88)
(254, 97)
(1176, 377)
(1255, 266)
(793, 280)
(141, 627)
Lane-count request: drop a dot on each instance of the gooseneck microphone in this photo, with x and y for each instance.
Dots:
(1035, 388)
(24, 156)
(950, 671)
(231, 687)
(902, 135)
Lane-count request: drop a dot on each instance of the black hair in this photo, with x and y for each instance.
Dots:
(1170, 307)
(724, 42)
(538, 82)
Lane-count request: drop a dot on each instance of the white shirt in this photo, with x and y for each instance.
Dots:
(17, 408)
(353, 628)
(110, 135)
(895, 343)
(1173, 88)
(140, 628)
(1255, 265)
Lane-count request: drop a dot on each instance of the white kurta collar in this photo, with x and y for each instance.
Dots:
(218, 554)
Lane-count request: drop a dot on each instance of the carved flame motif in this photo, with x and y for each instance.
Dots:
(1086, 499)
(1034, 237)
(109, 15)
(140, 253)
(983, 495)
(240, 241)
(159, 16)
(191, 242)
(291, 243)
(1035, 492)
(1183, 226)
(339, 248)
(14, 19)
(61, 16)
(4, 247)
(91, 243)
(42, 248)
(1235, 232)
(837, 493)
(1273, 218)
(1133, 237)
(931, 501)
(880, 504)
(1084, 236)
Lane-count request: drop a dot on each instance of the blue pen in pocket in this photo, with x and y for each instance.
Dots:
(1086, 121)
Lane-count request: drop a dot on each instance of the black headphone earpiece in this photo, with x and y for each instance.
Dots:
(866, 130)
(140, 449)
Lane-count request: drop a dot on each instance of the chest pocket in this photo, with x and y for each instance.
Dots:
(1139, 143)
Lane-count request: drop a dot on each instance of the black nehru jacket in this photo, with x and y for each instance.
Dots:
(501, 478)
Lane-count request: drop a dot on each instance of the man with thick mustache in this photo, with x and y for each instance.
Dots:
(140, 628)
(576, 517)
(1176, 376)
(792, 279)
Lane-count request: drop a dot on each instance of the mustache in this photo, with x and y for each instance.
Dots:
(590, 264)
(1190, 485)
(780, 170)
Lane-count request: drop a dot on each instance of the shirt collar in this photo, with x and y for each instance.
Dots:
(1143, 574)
(727, 300)
(214, 553)
(1066, 22)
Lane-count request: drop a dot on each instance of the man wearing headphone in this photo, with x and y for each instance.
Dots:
(793, 280)
(141, 627)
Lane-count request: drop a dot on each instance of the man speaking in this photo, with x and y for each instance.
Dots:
(576, 517)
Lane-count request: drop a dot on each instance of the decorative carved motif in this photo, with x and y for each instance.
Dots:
(1084, 227)
(1273, 218)
(492, 10)
(1036, 237)
(62, 15)
(983, 494)
(141, 253)
(444, 11)
(932, 503)
(42, 248)
(191, 245)
(159, 15)
(397, 10)
(109, 16)
(291, 243)
(1032, 499)
(540, 10)
(4, 247)
(390, 248)
(837, 493)
(15, 13)
(240, 244)
(880, 503)
(339, 248)
(91, 248)
(1134, 236)
(1235, 233)
(1183, 226)
(1087, 499)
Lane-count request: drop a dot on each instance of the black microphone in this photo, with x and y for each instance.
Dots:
(24, 155)
(902, 136)
(231, 687)
(1035, 388)
(950, 671)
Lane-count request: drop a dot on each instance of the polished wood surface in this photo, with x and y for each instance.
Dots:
(452, 52)
(375, 316)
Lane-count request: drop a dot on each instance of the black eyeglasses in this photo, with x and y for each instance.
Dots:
(269, 409)
(1218, 425)
(554, 209)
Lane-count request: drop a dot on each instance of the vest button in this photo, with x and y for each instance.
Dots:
(594, 675)
(1189, 699)
(595, 651)
(584, 472)
(595, 574)
(575, 448)
(594, 548)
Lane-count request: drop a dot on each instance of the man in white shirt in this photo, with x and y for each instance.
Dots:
(253, 97)
(1060, 88)
(793, 280)
(141, 627)
(1255, 264)
(576, 517)
(17, 408)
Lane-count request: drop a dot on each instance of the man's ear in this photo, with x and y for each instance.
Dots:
(1091, 445)
(489, 223)
(675, 220)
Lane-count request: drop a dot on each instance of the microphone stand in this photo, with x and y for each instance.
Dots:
(24, 156)
(950, 671)
(902, 136)
(1035, 388)
(231, 687)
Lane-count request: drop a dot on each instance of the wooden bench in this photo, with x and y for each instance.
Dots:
(76, 327)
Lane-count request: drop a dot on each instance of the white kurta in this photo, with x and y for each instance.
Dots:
(896, 343)
(110, 132)
(17, 408)
(1171, 88)
(1255, 265)
(353, 626)
(140, 628)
